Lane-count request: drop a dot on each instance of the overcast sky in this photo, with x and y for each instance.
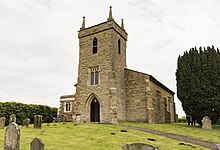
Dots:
(39, 44)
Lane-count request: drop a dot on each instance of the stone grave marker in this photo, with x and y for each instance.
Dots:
(2, 122)
(78, 118)
(217, 146)
(12, 118)
(37, 144)
(12, 137)
(37, 121)
(26, 123)
(206, 123)
(139, 146)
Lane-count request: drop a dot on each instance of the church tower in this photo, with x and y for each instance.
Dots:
(100, 90)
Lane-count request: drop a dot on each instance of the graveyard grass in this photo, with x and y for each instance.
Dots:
(67, 136)
(195, 132)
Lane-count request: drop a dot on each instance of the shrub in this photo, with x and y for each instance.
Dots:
(182, 120)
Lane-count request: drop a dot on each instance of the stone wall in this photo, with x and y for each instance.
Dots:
(147, 99)
(166, 111)
(136, 100)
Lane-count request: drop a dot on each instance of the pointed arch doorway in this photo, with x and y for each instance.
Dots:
(95, 111)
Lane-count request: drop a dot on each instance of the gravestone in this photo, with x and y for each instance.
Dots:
(12, 118)
(78, 118)
(26, 123)
(139, 146)
(12, 137)
(37, 144)
(2, 122)
(37, 121)
(206, 123)
(217, 146)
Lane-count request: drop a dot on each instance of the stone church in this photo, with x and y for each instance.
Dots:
(106, 90)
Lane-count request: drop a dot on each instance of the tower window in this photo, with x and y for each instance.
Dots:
(119, 46)
(94, 76)
(94, 47)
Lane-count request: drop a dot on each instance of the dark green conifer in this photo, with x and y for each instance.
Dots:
(198, 82)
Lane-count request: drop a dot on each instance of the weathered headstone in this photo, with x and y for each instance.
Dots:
(37, 144)
(217, 146)
(2, 122)
(12, 137)
(206, 123)
(139, 146)
(26, 123)
(78, 118)
(12, 118)
(37, 121)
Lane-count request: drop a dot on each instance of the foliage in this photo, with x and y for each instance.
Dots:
(182, 120)
(67, 136)
(198, 83)
(23, 111)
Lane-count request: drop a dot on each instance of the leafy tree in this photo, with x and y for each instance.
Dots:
(198, 83)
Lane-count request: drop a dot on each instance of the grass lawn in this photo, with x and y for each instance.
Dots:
(195, 132)
(66, 136)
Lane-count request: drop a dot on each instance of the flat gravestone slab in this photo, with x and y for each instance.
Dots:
(12, 137)
(2, 122)
(206, 123)
(139, 146)
(37, 144)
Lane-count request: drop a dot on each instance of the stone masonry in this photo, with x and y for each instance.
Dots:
(120, 94)
(65, 111)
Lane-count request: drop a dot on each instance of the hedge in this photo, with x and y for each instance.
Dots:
(23, 111)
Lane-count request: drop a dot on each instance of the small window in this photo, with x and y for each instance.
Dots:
(158, 96)
(95, 44)
(68, 106)
(94, 76)
(119, 46)
(168, 104)
(165, 103)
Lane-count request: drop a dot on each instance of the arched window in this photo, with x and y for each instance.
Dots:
(119, 46)
(94, 76)
(94, 46)
(68, 106)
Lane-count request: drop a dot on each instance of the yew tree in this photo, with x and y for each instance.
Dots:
(198, 82)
